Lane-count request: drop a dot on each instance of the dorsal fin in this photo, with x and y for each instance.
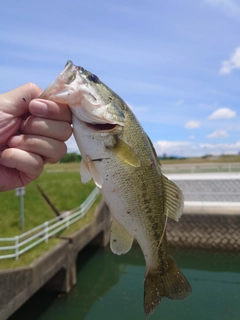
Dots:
(154, 151)
(173, 199)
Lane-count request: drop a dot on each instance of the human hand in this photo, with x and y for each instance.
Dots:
(32, 132)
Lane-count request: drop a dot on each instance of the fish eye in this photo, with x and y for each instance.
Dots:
(71, 78)
(93, 78)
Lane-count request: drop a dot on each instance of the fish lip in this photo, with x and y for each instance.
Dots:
(103, 127)
(61, 81)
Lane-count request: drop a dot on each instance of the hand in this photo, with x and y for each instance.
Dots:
(32, 132)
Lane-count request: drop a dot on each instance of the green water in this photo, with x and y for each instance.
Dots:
(110, 287)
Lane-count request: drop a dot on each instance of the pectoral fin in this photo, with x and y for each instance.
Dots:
(120, 240)
(173, 199)
(126, 153)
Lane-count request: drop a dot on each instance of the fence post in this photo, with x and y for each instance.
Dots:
(67, 219)
(16, 247)
(46, 231)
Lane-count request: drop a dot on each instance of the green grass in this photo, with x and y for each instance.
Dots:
(217, 159)
(28, 257)
(88, 218)
(62, 184)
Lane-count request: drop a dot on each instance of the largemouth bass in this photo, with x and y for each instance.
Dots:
(120, 158)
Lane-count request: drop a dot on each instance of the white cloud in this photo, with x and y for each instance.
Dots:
(218, 134)
(171, 147)
(222, 113)
(191, 137)
(232, 63)
(192, 124)
(221, 148)
(188, 149)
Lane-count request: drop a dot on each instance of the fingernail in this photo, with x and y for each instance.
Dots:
(14, 141)
(39, 108)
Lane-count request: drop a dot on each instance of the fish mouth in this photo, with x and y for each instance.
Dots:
(103, 127)
(73, 88)
(63, 84)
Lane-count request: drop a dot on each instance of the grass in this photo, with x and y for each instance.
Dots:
(62, 184)
(217, 159)
(28, 257)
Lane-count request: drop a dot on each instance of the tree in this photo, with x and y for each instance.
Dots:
(71, 157)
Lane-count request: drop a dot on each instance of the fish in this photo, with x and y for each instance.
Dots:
(119, 156)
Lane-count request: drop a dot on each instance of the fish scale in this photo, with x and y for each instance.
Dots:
(120, 158)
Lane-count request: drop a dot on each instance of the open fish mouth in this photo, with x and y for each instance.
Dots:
(62, 85)
(102, 127)
(79, 89)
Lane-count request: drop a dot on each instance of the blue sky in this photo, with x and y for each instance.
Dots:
(176, 63)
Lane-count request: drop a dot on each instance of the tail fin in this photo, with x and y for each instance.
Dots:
(172, 285)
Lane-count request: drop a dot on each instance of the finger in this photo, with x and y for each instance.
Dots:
(20, 166)
(51, 150)
(50, 110)
(15, 102)
(59, 130)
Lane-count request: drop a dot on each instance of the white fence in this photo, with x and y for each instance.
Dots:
(201, 167)
(43, 232)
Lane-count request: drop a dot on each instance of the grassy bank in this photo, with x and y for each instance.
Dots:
(209, 159)
(62, 185)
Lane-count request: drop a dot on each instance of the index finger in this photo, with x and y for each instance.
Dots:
(50, 110)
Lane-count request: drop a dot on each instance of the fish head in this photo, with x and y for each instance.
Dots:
(90, 100)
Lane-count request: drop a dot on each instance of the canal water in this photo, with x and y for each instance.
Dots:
(110, 287)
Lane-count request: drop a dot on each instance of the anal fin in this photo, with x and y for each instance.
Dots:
(120, 240)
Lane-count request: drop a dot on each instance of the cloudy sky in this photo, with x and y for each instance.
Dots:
(176, 63)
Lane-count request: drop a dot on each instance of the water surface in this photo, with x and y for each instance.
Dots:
(111, 287)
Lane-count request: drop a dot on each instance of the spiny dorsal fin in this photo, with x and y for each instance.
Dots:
(173, 199)
(154, 151)
(120, 240)
(126, 153)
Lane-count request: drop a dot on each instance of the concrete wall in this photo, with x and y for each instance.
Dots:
(205, 231)
(56, 269)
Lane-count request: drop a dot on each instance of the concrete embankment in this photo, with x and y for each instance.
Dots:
(56, 269)
(211, 220)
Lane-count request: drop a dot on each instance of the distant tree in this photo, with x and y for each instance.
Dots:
(71, 157)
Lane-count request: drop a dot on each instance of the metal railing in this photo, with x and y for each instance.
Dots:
(26, 241)
(201, 167)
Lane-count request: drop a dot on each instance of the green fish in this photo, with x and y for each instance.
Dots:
(120, 158)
